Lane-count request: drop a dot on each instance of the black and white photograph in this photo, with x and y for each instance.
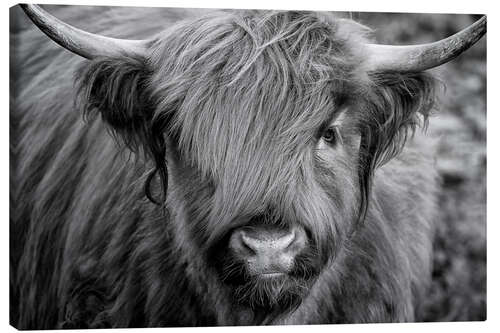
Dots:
(201, 167)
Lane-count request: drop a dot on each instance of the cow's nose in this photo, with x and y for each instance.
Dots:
(267, 250)
(266, 243)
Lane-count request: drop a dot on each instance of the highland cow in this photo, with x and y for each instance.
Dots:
(237, 168)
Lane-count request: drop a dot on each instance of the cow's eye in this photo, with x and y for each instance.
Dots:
(331, 135)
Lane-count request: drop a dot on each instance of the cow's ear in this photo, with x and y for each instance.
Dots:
(394, 105)
(116, 88)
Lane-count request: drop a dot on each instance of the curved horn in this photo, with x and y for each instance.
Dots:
(83, 43)
(416, 58)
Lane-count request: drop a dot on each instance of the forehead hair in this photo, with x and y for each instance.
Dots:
(242, 89)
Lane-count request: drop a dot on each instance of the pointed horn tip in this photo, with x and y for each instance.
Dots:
(85, 44)
(32, 10)
(482, 22)
(416, 58)
(478, 27)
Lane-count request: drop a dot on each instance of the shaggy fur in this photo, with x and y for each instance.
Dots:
(220, 125)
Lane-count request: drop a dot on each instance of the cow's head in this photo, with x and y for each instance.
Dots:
(264, 129)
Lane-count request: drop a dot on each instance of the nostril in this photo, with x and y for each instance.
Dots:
(239, 246)
(247, 244)
(251, 243)
(288, 240)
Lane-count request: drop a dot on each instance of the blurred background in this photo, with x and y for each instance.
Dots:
(458, 291)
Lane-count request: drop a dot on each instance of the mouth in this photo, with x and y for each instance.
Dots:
(271, 275)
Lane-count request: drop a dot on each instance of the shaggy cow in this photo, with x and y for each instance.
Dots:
(232, 170)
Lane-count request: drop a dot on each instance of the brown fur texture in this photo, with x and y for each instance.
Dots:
(220, 123)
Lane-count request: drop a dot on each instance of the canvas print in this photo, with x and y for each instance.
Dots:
(204, 167)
